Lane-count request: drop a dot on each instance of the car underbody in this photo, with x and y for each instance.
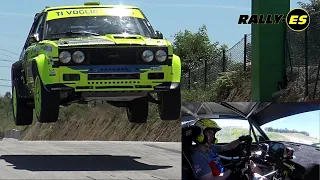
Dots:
(118, 99)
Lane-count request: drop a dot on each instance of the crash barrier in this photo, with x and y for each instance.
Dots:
(13, 133)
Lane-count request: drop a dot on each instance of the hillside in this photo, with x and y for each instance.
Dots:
(228, 134)
(103, 122)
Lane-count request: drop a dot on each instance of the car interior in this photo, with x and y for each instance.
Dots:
(279, 160)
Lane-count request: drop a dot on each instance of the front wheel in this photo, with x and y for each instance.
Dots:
(46, 103)
(170, 104)
(137, 110)
(22, 112)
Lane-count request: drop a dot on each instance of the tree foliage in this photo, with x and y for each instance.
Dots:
(312, 6)
(270, 129)
(194, 48)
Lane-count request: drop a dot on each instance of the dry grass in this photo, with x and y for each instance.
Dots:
(241, 92)
(236, 87)
(107, 123)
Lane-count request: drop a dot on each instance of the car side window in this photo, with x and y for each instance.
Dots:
(36, 28)
(32, 30)
(233, 129)
(39, 27)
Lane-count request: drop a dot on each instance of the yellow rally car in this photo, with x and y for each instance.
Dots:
(75, 54)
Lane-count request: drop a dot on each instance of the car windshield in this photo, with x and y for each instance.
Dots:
(97, 25)
(300, 128)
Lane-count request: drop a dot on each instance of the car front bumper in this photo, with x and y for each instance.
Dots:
(112, 78)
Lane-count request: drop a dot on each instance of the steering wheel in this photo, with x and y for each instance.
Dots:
(245, 152)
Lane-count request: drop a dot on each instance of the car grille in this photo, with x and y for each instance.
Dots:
(112, 76)
(116, 56)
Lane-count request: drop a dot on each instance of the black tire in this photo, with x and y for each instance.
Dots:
(170, 104)
(137, 110)
(49, 101)
(24, 112)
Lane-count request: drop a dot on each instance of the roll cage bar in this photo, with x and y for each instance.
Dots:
(257, 107)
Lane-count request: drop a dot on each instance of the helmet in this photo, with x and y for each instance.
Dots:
(206, 124)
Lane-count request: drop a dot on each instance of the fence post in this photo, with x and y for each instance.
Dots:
(306, 64)
(205, 73)
(223, 60)
(316, 84)
(245, 53)
(189, 78)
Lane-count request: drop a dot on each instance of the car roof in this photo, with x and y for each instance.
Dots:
(88, 6)
(261, 112)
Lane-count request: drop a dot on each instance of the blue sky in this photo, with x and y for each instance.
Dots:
(16, 17)
(308, 121)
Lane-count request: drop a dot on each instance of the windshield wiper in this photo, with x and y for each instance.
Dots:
(68, 33)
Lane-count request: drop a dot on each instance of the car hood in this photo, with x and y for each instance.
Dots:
(110, 40)
(261, 113)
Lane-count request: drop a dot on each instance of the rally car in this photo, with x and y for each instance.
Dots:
(76, 54)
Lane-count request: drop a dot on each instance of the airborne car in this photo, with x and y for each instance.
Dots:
(75, 54)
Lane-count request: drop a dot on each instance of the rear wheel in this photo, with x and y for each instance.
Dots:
(47, 104)
(137, 110)
(22, 112)
(170, 104)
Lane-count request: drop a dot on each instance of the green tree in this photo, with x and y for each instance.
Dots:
(194, 48)
(312, 6)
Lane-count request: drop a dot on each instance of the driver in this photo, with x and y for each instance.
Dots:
(205, 160)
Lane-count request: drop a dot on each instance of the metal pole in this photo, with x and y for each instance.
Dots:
(189, 78)
(223, 61)
(316, 84)
(205, 74)
(245, 53)
(306, 64)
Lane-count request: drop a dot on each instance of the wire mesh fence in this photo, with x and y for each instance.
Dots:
(303, 61)
(237, 58)
(303, 54)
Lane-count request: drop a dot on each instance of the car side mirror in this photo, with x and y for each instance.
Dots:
(159, 35)
(34, 38)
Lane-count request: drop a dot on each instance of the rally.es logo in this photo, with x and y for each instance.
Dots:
(297, 19)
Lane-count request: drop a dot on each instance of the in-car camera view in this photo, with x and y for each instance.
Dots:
(239, 140)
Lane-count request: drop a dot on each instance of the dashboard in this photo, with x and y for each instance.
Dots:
(303, 159)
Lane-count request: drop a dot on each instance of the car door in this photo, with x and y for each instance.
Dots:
(23, 54)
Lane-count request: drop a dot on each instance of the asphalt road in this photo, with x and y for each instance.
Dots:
(89, 160)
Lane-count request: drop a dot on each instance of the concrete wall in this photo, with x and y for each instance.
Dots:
(13, 133)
